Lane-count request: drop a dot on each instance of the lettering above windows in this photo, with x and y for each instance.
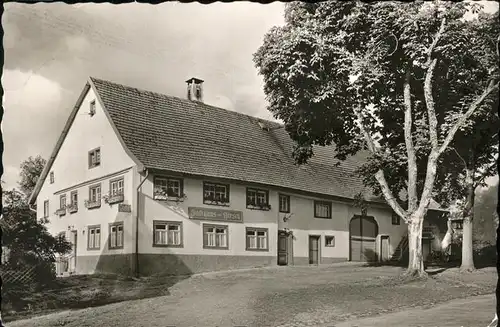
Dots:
(116, 235)
(116, 189)
(94, 158)
(257, 239)
(322, 209)
(62, 206)
(73, 206)
(215, 237)
(94, 237)
(166, 188)
(258, 199)
(284, 201)
(217, 194)
(167, 233)
(94, 200)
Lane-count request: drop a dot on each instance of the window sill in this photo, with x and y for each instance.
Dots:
(329, 246)
(167, 246)
(93, 249)
(323, 217)
(61, 212)
(215, 247)
(251, 207)
(169, 198)
(214, 203)
(94, 166)
(93, 205)
(285, 211)
(257, 250)
(115, 248)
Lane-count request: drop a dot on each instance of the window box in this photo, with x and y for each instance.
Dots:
(92, 204)
(257, 239)
(215, 237)
(258, 199)
(116, 198)
(61, 211)
(167, 234)
(72, 208)
(216, 194)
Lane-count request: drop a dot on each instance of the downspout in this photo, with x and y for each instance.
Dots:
(137, 226)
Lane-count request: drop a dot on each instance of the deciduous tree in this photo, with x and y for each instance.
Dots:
(389, 78)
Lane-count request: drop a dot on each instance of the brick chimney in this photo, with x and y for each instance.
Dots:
(195, 89)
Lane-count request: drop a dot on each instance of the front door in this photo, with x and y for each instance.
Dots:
(363, 232)
(384, 247)
(72, 259)
(313, 249)
(282, 248)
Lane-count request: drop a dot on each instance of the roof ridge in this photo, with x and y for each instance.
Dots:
(185, 100)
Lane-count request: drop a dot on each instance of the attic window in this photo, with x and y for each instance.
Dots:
(94, 158)
(92, 108)
(51, 177)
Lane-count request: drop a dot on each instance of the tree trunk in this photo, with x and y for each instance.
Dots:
(467, 251)
(416, 260)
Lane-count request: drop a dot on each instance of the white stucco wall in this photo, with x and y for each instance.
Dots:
(71, 172)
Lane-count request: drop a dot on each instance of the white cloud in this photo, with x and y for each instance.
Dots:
(32, 121)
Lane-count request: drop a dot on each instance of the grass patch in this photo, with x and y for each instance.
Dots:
(83, 291)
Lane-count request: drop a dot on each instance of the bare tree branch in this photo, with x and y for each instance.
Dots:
(489, 171)
(461, 158)
(451, 134)
(379, 175)
(410, 149)
(429, 99)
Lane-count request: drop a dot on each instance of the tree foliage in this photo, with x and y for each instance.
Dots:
(398, 80)
(334, 62)
(27, 239)
(31, 169)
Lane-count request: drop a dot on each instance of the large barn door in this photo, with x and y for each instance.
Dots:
(363, 233)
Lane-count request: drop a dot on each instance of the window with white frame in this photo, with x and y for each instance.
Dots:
(62, 201)
(215, 236)
(45, 208)
(213, 192)
(116, 235)
(167, 233)
(284, 203)
(257, 197)
(322, 209)
(116, 187)
(167, 187)
(94, 237)
(329, 241)
(95, 193)
(257, 238)
(94, 157)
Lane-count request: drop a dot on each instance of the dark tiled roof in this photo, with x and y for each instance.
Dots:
(170, 133)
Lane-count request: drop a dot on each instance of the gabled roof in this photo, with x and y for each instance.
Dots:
(168, 133)
(174, 134)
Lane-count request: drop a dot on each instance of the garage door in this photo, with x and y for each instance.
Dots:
(363, 233)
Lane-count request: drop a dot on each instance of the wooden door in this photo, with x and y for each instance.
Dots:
(363, 232)
(282, 248)
(313, 249)
(384, 248)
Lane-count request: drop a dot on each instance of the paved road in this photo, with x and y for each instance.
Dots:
(475, 311)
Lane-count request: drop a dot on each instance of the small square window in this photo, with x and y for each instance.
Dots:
(284, 203)
(329, 241)
(258, 199)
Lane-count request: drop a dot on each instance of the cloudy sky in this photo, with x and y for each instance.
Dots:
(51, 49)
